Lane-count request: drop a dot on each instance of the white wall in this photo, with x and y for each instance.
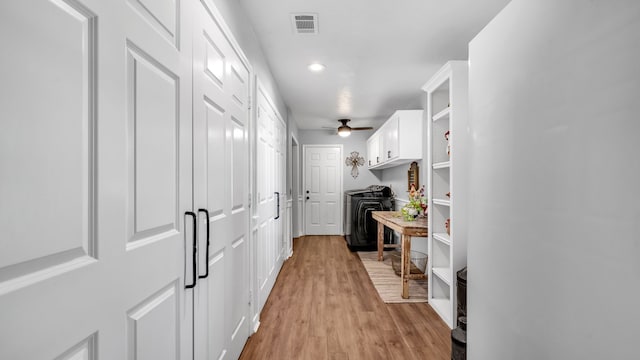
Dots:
(357, 141)
(554, 229)
(396, 177)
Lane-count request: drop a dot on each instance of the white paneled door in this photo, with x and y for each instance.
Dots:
(124, 182)
(270, 190)
(323, 189)
(221, 189)
(95, 179)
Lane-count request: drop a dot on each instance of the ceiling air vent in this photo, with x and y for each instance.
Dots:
(306, 23)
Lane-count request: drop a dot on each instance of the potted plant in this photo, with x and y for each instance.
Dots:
(417, 205)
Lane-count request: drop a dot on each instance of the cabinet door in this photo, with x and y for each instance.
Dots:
(390, 150)
(373, 150)
(381, 156)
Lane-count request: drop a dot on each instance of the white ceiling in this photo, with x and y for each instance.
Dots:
(377, 53)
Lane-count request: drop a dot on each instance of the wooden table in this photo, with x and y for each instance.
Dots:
(395, 221)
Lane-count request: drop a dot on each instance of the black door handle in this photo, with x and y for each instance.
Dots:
(206, 261)
(307, 198)
(195, 250)
(307, 191)
(278, 205)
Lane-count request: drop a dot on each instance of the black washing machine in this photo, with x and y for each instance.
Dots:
(361, 230)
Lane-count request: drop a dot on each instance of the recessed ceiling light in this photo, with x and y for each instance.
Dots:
(316, 67)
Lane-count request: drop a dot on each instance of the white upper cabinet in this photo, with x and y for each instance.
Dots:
(398, 141)
(390, 135)
(373, 150)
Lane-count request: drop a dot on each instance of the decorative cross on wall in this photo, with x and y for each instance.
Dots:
(354, 160)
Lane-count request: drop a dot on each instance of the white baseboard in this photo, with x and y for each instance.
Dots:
(256, 324)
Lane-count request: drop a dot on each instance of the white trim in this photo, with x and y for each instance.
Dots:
(341, 182)
(293, 136)
(300, 201)
(296, 208)
(289, 231)
(253, 221)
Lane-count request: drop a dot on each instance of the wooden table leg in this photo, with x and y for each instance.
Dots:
(380, 241)
(406, 265)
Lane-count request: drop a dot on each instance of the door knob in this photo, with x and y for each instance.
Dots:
(307, 191)
(307, 198)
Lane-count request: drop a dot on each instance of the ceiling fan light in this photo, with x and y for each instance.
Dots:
(344, 131)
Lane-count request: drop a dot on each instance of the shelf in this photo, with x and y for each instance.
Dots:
(442, 114)
(442, 273)
(446, 167)
(442, 202)
(443, 308)
(442, 165)
(443, 238)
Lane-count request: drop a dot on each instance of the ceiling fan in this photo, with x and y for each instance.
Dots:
(344, 130)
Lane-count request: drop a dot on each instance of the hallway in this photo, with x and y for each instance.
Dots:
(324, 306)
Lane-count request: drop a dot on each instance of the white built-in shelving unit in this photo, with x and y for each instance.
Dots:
(447, 103)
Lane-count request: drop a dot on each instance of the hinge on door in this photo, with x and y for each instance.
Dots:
(249, 103)
(249, 199)
(250, 296)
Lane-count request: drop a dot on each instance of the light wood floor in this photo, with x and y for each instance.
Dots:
(323, 306)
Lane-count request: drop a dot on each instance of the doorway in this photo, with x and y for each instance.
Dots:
(322, 189)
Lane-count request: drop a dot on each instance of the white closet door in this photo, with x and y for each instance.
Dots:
(95, 153)
(281, 189)
(221, 189)
(157, 263)
(270, 192)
